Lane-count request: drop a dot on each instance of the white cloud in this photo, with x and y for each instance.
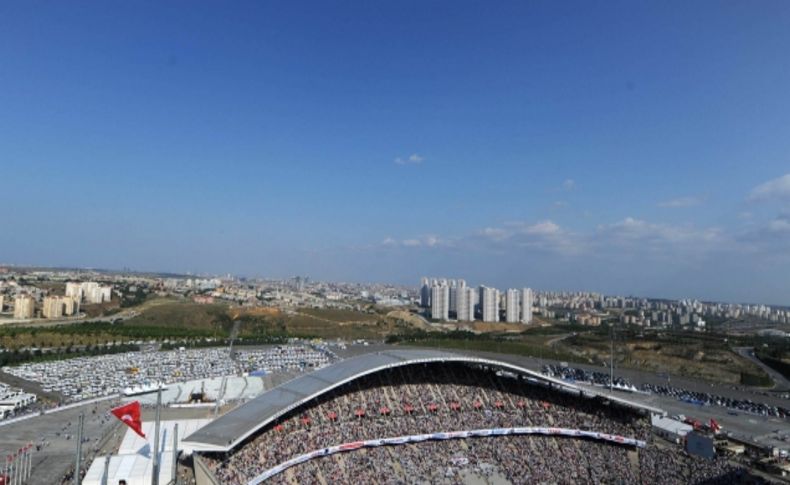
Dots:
(544, 228)
(543, 235)
(636, 235)
(569, 184)
(431, 241)
(680, 202)
(428, 241)
(779, 225)
(413, 159)
(638, 239)
(630, 235)
(495, 233)
(773, 189)
(769, 240)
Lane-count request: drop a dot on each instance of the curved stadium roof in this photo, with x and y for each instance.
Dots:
(226, 432)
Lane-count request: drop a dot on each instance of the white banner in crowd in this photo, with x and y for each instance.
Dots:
(402, 440)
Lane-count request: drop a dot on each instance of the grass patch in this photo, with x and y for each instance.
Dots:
(705, 356)
(507, 344)
(340, 316)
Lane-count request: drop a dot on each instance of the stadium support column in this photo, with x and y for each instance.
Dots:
(79, 449)
(155, 468)
(175, 454)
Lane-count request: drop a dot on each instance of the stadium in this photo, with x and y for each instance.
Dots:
(426, 416)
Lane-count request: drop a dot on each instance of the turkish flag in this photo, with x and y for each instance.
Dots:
(129, 414)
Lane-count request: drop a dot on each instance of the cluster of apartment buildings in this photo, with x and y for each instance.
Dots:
(51, 306)
(89, 291)
(453, 299)
(59, 306)
(54, 306)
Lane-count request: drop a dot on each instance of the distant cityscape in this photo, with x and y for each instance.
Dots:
(32, 293)
(451, 299)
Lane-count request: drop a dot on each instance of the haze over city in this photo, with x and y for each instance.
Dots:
(626, 149)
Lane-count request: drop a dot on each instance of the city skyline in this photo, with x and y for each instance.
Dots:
(645, 158)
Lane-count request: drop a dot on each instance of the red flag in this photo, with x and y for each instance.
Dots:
(130, 415)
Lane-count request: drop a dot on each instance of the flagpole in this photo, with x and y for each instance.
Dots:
(175, 454)
(30, 463)
(155, 468)
(79, 450)
(105, 477)
(24, 464)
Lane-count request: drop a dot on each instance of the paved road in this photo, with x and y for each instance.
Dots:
(555, 340)
(44, 322)
(57, 432)
(780, 383)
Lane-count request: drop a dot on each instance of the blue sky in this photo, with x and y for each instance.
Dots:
(620, 147)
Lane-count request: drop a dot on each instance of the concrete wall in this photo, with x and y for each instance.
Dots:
(203, 475)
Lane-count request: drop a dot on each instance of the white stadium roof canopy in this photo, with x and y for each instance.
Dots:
(228, 431)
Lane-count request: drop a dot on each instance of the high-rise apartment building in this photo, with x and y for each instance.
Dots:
(425, 293)
(465, 304)
(58, 306)
(2, 302)
(511, 306)
(24, 306)
(456, 287)
(74, 290)
(440, 303)
(489, 304)
(52, 307)
(105, 294)
(91, 291)
(526, 305)
(70, 306)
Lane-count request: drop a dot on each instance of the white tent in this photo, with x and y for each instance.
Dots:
(133, 443)
(134, 468)
(134, 462)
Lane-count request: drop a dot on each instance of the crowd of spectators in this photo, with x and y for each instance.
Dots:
(111, 374)
(449, 397)
(515, 459)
